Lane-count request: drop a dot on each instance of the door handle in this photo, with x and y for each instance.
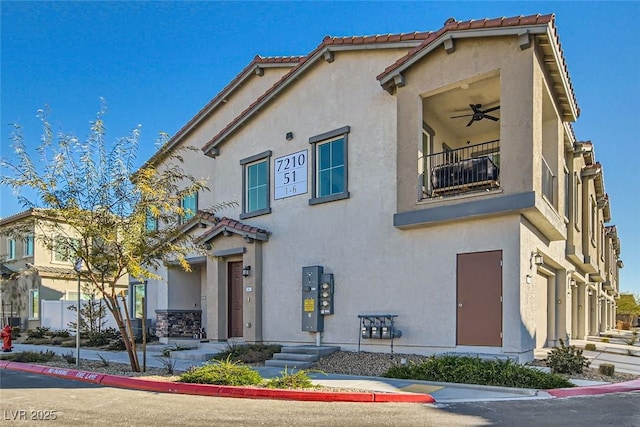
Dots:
(459, 305)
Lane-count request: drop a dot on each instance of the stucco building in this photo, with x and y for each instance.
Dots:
(435, 177)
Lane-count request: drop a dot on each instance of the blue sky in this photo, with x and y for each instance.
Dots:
(157, 63)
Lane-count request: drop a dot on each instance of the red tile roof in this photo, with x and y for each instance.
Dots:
(233, 225)
(452, 25)
(283, 61)
(327, 41)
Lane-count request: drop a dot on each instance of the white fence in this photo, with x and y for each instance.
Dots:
(56, 315)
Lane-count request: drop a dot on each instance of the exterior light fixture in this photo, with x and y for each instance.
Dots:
(536, 258)
(572, 282)
(246, 270)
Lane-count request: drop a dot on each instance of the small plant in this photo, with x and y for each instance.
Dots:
(166, 352)
(102, 338)
(631, 341)
(69, 357)
(607, 369)
(291, 380)
(249, 353)
(567, 360)
(168, 364)
(15, 332)
(103, 360)
(590, 347)
(225, 372)
(38, 333)
(605, 340)
(60, 334)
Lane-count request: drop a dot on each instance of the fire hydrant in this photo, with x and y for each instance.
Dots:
(6, 338)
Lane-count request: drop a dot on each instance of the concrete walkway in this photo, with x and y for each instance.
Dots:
(441, 392)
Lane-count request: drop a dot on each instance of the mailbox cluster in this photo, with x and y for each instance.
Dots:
(379, 327)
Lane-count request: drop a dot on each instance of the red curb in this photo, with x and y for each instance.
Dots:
(623, 387)
(25, 367)
(216, 390)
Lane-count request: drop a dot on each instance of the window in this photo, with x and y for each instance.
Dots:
(255, 184)
(65, 249)
(594, 219)
(424, 159)
(576, 200)
(11, 249)
(189, 204)
(34, 304)
(138, 295)
(28, 246)
(151, 222)
(330, 166)
(567, 194)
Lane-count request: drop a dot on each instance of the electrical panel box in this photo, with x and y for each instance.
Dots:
(326, 294)
(312, 320)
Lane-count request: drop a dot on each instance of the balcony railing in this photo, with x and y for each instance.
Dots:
(547, 181)
(451, 172)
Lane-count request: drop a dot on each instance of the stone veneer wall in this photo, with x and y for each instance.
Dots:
(178, 323)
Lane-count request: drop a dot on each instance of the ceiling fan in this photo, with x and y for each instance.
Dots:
(479, 114)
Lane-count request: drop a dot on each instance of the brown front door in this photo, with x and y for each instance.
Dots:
(479, 305)
(235, 320)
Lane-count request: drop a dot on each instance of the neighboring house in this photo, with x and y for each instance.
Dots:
(435, 178)
(34, 272)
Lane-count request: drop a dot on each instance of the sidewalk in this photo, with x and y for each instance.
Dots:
(441, 392)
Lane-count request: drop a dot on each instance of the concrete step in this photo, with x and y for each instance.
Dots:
(310, 349)
(289, 364)
(302, 357)
(198, 355)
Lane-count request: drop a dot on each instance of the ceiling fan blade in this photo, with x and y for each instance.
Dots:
(471, 121)
(476, 107)
(486, 116)
(488, 110)
(464, 115)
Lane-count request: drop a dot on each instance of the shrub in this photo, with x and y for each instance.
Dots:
(605, 340)
(607, 369)
(225, 372)
(38, 333)
(166, 352)
(168, 364)
(15, 332)
(31, 356)
(249, 353)
(289, 380)
(102, 338)
(473, 370)
(567, 360)
(590, 347)
(61, 334)
(103, 360)
(631, 341)
(69, 357)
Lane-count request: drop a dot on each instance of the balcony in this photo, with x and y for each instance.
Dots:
(463, 170)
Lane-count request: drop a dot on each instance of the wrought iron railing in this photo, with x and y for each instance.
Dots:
(450, 172)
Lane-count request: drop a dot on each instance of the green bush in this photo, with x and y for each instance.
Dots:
(102, 338)
(473, 370)
(38, 333)
(291, 380)
(166, 352)
(607, 369)
(225, 372)
(60, 334)
(604, 340)
(567, 360)
(590, 347)
(31, 356)
(249, 353)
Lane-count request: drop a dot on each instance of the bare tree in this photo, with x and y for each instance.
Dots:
(94, 206)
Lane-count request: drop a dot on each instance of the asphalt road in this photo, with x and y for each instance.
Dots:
(28, 399)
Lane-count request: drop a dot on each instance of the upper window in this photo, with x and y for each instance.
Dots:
(255, 185)
(576, 200)
(567, 194)
(28, 246)
(151, 222)
(138, 299)
(189, 205)
(330, 166)
(64, 249)
(11, 249)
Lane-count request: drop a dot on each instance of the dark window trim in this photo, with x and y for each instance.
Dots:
(324, 137)
(256, 158)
